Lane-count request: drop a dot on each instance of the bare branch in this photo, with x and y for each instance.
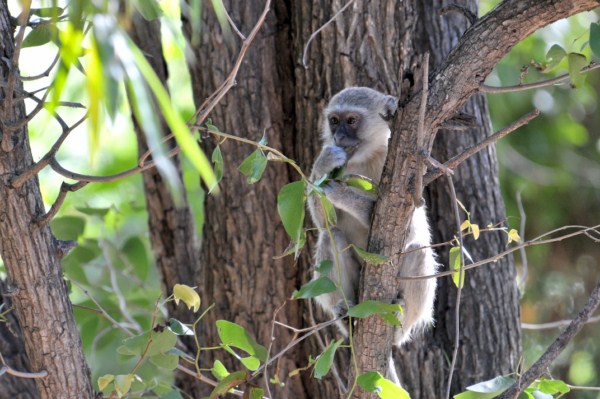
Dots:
(540, 366)
(45, 73)
(555, 324)
(544, 83)
(458, 159)
(233, 25)
(65, 188)
(315, 33)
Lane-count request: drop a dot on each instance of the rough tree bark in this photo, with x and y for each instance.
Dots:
(35, 284)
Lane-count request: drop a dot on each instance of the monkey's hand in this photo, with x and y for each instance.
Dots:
(331, 157)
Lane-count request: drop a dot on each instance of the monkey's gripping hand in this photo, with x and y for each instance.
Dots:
(331, 157)
(351, 200)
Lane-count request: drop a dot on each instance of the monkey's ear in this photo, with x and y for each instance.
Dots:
(390, 106)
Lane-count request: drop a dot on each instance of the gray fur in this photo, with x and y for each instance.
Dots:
(354, 209)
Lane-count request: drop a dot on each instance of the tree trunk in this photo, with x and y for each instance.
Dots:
(376, 44)
(35, 283)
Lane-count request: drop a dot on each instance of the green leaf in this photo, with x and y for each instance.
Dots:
(553, 386)
(229, 382)
(254, 166)
(291, 203)
(165, 361)
(217, 160)
(232, 334)
(93, 211)
(362, 183)
(40, 35)
(374, 259)
(135, 252)
(387, 311)
(458, 277)
(487, 389)
(123, 384)
(188, 295)
(324, 267)
(320, 285)
(104, 381)
(149, 9)
(67, 227)
(256, 393)
(219, 371)
(179, 328)
(372, 381)
(576, 63)
(329, 209)
(47, 12)
(595, 38)
(325, 359)
(553, 57)
(162, 342)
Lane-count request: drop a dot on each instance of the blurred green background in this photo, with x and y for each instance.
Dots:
(553, 163)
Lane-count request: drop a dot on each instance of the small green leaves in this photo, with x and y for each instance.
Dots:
(553, 57)
(188, 295)
(320, 285)
(487, 389)
(385, 389)
(165, 361)
(179, 328)
(123, 384)
(374, 259)
(553, 386)
(234, 335)
(162, 342)
(40, 35)
(254, 166)
(324, 267)
(576, 63)
(290, 205)
(325, 359)
(47, 12)
(387, 311)
(219, 371)
(458, 277)
(595, 38)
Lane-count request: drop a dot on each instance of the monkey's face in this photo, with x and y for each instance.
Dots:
(344, 128)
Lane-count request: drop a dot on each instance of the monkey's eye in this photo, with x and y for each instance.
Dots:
(351, 120)
(334, 120)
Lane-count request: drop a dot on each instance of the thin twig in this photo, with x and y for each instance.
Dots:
(233, 25)
(522, 252)
(540, 366)
(65, 188)
(22, 374)
(421, 151)
(458, 159)
(544, 83)
(460, 284)
(536, 241)
(315, 33)
(555, 324)
(272, 339)
(46, 72)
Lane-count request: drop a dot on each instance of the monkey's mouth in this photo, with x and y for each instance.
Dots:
(350, 146)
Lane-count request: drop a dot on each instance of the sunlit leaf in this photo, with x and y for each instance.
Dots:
(188, 295)
(513, 235)
(291, 202)
(458, 277)
(362, 183)
(123, 384)
(104, 381)
(475, 229)
(374, 259)
(465, 225)
(325, 359)
(232, 334)
(553, 386)
(255, 393)
(320, 285)
(219, 371)
(576, 63)
(374, 382)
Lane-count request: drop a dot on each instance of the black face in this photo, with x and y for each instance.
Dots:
(344, 127)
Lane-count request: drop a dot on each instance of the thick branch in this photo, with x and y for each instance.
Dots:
(556, 348)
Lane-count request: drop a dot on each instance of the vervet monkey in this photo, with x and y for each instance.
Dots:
(355, 135)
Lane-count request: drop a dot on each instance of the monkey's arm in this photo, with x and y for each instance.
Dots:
(352, 200)
(331, 157)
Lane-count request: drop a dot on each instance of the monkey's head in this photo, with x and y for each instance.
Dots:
(357, 119)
